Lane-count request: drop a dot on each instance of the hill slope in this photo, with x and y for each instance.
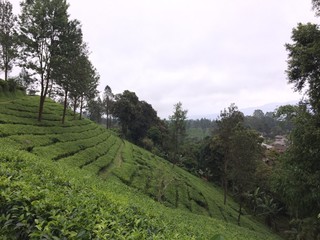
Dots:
(78, 180)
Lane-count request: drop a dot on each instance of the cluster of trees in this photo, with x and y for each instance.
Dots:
(137, 121)
(290, 188)
(49, 48)
(297, 176)
(231, 155)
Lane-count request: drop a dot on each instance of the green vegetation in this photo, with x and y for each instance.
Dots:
(64, 177)
(80, 181)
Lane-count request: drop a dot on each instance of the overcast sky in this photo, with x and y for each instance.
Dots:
(204, 53)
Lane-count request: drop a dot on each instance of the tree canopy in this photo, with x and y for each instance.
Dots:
(303, 62)
(42, 24)
(136, 117)
(8, 37)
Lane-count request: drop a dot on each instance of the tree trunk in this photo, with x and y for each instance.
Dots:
(74, 108)
(81, 106)
(42, 99)
(64, 106)
(6, 72)
(44, 91)
(6, 66)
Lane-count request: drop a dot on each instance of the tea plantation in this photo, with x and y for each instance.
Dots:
(80, 181)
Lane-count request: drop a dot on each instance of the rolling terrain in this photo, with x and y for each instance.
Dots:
(80, 181)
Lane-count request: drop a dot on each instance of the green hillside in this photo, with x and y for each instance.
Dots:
(80, 181)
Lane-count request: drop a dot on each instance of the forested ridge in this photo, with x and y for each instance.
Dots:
(240, 170)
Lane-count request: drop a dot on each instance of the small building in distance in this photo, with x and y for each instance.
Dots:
(280, 143)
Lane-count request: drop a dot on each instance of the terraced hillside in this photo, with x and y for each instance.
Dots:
(107, 167)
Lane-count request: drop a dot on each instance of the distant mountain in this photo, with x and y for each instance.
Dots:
(270, 107)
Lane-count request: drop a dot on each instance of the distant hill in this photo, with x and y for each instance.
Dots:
(80, 181)
(270, 107)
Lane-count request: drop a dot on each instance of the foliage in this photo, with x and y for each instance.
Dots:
(136, 117)
(177, 128)
(95, 110)
(316, 6)
(304, 55)
(298, 173)
(100, 187)
(42, 24)
(68, 60)
(8, 38)
(229, 120)
(108, 101)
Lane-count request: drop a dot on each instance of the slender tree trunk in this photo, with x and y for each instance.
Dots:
(107, 123)
(44, 91)
(81, 106)
(42, 99)
(74, 108)
(107, 112)
(65, 105)
(6, 72)
(6, 65)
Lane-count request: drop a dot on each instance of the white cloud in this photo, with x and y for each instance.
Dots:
(206, 54)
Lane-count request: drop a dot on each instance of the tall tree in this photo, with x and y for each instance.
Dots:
(230, 119)
(88, 79)
(95, 109)
(299, 170)
(107, 103)
(297, 176)
(8, 37)
(245, 151)
(42, 23)
(135, 116)
(303, 62)
(68, 60)
(258, 113)
(124, 109)
(177, 128)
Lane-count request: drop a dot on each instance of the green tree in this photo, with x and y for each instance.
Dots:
(136, 117)
(230, 119)
(303, 62)
(68, 62)
(245, 152)
(297, 176)
(42, 23)
(258, 113)
(8, 37)
(95, 109)
(124, 109)
(177, 128)
(87, 80)
(107, 103)
(299, 171)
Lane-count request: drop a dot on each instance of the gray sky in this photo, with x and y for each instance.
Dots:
(204, 53)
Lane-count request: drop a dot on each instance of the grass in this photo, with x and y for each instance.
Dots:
(80, 181)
